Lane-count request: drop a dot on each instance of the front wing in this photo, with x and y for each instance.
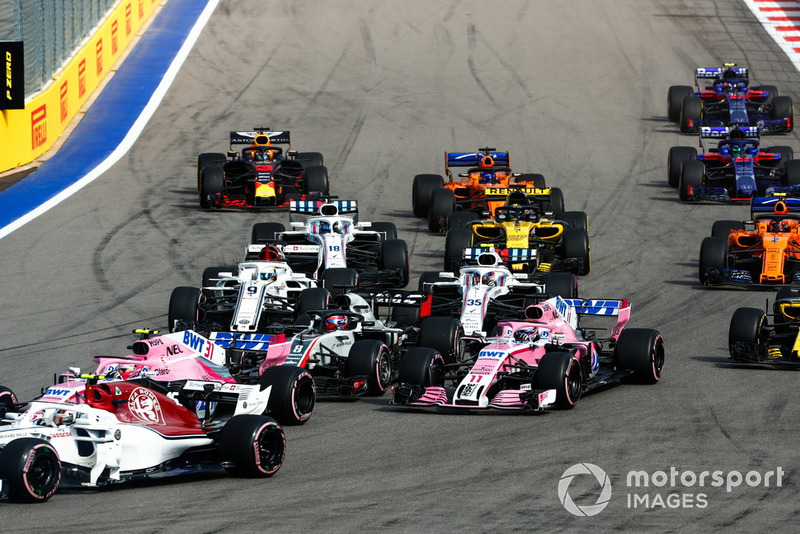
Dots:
(440, 398)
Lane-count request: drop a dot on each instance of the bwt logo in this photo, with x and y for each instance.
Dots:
(603, 481)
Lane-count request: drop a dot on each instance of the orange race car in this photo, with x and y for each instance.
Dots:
(764, 251)
(484, 187)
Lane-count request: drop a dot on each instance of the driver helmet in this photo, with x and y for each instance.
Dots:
(324, 227)
(487, 178)
(526, 335)
(778, 226)
(271, 253)
(489, 279)
(64, 417)
(336, 322)
(735, 150)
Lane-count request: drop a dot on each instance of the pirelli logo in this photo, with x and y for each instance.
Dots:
(114, 39)
(62, 95)
(82, 78)
(13, 92)
(38, 127)
(99, 56)
(128, 27)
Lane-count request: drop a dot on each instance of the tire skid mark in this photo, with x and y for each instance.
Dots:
(351, 141)
(473, 69)
(369, 45)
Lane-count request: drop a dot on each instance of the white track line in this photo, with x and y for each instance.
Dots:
(135, 131)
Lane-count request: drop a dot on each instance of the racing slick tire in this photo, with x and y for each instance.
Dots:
(678, 155)
(387, 228)
(454, 244)
(460, 219)
(791, 172)
(748, 326)
(782, 108)
(421, 366)
(252, 446)
(339, 280)
(212, 274)
(394, 257)
(212, 182)
(32, 468)
(575, 219)
(209, 159)
(266, 232)
(691, 111)
(576, 245)
(565, 285)
(311, 299)
(184, 306)
(560, 371)
(421, 189)
(641, 350)
(428, 278)
(442, 334)
(7, 400)
(316, 180)
(443, 202)
(293, 394)
(675, 96)
(713, 255)
(310, 159)
(373, 359)
(691, 176)
(556, 204)
(536, 180)
(722, 229)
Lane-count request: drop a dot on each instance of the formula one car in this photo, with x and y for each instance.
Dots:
(737, 170)
(764, 251)
(530, 239)
(196, 364)
(244, 298)
(485, 186)
(332, 239)
(344, 345)
(729, 101)
(485, 292)
(752, 339)
(261, 175)
(127, 430)
(548, 361)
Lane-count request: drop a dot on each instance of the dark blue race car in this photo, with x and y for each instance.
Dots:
(730, 100)
(736, 170)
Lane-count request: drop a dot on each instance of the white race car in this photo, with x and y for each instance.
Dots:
(243, 298)
(482, 294)
(332, 239)
(125, 430)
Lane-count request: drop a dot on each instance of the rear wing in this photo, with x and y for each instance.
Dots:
(494, 193)
(599, 307)
(260, 136)
(512, 255)
(717, 72)
(320, 207)
(780, 205)
(254, 342)
(723, 132)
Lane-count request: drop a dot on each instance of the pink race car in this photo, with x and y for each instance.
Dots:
(548, 361)
(196, 364)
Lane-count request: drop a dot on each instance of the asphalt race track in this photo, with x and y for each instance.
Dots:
(574, 90)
